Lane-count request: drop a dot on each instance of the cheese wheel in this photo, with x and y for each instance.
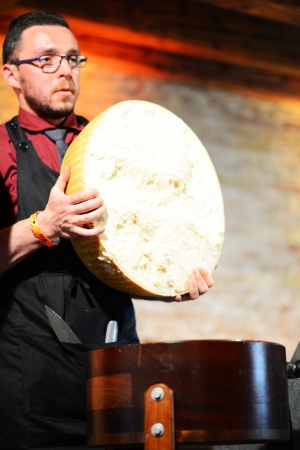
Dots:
(165, 212)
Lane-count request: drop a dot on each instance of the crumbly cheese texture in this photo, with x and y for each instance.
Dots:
(165, 212)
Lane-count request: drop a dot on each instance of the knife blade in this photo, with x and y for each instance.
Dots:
(111, 332)
(296, 355)
(61, 328)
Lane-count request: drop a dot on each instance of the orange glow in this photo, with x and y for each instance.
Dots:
(115, 52)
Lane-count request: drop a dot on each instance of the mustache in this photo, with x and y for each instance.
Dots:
(66, 85)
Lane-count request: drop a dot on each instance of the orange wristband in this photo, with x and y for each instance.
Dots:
(37, 232)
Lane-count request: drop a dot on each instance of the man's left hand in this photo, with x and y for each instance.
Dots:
(199, 283)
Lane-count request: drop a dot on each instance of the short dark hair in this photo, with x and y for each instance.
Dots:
(21, 23)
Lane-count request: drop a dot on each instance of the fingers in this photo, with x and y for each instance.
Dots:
(79, 197)
(81, 219)
(87, 232)
(90, 202)
(66, 216)
(207, 277)
(75, 218)
(199, 283)
(83, 196)
(90, 208)
(63, 179)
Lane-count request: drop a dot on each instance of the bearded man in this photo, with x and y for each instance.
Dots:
(42, 386)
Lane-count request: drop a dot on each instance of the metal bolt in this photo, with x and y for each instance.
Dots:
(157, 430)
(157, 394)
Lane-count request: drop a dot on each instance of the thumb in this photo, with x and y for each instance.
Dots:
(63, 179)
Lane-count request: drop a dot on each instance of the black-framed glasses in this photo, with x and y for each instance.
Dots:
(50, 63)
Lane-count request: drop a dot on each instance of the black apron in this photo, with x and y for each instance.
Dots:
(42, 382)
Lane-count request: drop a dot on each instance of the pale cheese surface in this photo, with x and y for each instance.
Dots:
(165, 212)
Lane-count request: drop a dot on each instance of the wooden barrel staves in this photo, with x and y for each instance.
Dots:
(224, 391)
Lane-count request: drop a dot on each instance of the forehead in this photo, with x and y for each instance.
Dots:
(44, 38)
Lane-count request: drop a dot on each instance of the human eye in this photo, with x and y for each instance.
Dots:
(73, 59)
(46, 60)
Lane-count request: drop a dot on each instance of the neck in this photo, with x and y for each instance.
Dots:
(54, 122)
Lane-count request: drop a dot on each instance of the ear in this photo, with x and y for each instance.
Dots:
(11, 75)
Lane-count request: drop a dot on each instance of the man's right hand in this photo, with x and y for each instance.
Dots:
(66, 215)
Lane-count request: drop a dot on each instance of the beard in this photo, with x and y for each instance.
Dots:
(45, 110)
(43, 106)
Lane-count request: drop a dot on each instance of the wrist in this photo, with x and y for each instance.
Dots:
(47, 240)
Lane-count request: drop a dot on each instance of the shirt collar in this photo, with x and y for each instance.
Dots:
(31, 122)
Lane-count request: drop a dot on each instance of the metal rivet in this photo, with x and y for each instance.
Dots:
(23, 145)
(157, 394)
(157, 430)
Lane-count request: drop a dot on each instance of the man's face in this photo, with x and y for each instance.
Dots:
(48, 95)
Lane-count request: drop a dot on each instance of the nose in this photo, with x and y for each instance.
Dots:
(64, 68)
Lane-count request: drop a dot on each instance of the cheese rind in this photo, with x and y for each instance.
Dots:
(165, 212)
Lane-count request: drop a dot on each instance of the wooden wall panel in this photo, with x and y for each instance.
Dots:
(279, 11)
(219, 33)
(8, 99)
(5, 4)
(219, 50)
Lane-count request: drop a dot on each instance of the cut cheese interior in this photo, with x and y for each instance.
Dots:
(165, 212)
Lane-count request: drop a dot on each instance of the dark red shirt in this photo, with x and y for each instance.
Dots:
(46, 149)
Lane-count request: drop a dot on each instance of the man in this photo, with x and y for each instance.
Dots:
(42, 385)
